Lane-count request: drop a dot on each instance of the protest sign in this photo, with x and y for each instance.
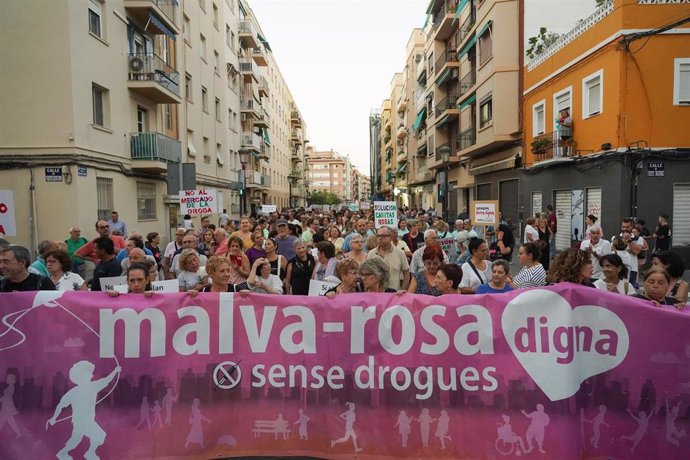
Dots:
(354, 207)
(448, 244)
(317, 287)
(484, 213)
(364, 205)
(170, 286)
(109, 283)
(268, 208)
(570, 370)
(198, 202)
(385, 214)
(8, 223)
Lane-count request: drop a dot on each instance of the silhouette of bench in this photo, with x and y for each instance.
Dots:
(271, 427)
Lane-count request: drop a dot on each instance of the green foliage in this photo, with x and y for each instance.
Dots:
(323, 197)
(540, 42)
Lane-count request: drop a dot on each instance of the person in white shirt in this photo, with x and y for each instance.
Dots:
(417, 263)
(619, 247)
(598, 248)
(531, 233)
(615, 274)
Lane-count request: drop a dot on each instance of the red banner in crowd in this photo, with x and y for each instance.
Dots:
(561, 372)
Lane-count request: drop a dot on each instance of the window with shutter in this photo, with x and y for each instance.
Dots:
(681, 81)
(538, 118)
(592, 94)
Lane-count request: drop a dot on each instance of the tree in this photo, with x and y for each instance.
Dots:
(323, 197)
(540, 42)
(600, 3)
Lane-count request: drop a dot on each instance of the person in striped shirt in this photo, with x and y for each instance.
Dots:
(532, 273)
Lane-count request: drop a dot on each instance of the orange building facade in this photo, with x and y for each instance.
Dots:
(607, 120)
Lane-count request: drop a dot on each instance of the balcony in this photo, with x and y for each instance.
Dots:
(263, 87)
(295, 155)
(295, 118)
(467, 138)
(448, 108)
(550, 146)
(402, 131)
(153, 151)
(250, 107)
(443, 19)
(468, 81)
(248, 70)
(296, 136)
(265, 181)
(151, 77)
(402, 156)
(158, 14)
(447, 60)
(247, 34)
(259, 57)
(251, 142)
(295, 174)
(467, 25)
(264, 152)
(262, 119)
(402, 104)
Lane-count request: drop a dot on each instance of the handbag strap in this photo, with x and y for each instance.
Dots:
(476, 272)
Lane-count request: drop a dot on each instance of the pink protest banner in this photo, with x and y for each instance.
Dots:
(563, 372)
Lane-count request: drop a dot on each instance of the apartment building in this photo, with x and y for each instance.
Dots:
(486, 146)
(455, 112)
(623, 76)
(420, 178)
(91, 119)
(145, 97)
(331, 172)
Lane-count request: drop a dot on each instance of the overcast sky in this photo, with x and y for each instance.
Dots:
(338, 57)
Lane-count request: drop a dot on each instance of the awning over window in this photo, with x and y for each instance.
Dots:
(468, 101)
(266, 139)
(191, 150)
(402, 168)
(428, 16)
(154, 19)
(485, 28)
(430, 8)
(420, 118)
(467, 46)
(444, 77)
(458, 11)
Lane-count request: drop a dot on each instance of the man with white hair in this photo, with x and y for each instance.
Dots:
(417, 264)
(598, 248)
(171, 249)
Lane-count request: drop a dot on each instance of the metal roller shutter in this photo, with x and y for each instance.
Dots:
(680, 220)
(564, 203)
(483, 192)
(593, 198)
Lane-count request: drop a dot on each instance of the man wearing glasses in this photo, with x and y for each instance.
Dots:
(88, 252)
(417, 263)
(395, 259)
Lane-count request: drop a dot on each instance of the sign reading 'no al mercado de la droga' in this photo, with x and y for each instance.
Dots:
(564, 372)
(198, 202)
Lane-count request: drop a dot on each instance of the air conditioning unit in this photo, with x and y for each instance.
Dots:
(243, 117)
(418, 58)
(136, 64)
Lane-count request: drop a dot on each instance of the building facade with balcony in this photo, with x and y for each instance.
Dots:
(147, 97)
(486, 149)
(623, 76)
(100, 130)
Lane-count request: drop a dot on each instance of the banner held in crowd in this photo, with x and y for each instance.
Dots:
(561, 372)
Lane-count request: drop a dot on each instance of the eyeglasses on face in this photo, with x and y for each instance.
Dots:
(366, 275)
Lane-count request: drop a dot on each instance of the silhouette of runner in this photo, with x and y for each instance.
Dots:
(349, 416)
(82, 398)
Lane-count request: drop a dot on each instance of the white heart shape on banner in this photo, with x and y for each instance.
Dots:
(560, 346)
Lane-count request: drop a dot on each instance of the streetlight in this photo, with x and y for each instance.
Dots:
(445, 157)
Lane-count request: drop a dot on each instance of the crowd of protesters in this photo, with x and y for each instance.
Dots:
(282, 253)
